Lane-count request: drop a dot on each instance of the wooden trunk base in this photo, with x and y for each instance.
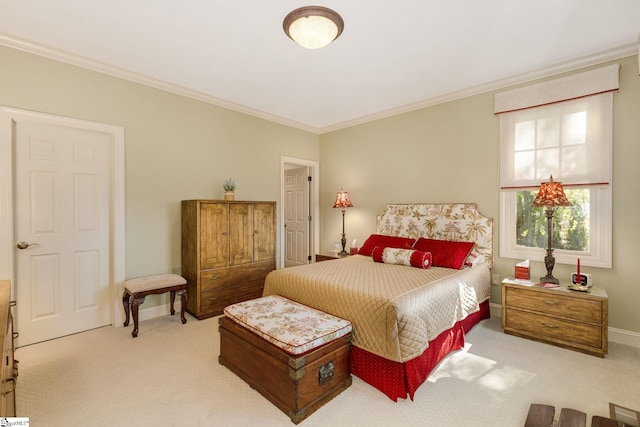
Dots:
(297, 385)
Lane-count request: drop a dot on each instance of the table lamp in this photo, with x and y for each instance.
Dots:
(342, 201)
(551, 196)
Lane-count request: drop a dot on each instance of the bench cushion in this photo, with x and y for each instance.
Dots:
(149, 283)
(291, 326)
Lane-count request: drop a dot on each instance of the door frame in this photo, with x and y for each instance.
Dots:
(8, 118)
(314, 195)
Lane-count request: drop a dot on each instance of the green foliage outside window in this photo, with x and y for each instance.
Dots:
(570, 224)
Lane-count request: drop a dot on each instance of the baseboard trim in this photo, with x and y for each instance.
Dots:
(622, 336)
(619, 336)
(152, 312)
(156, 311)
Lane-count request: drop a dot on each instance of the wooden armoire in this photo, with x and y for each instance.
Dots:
(228, 248)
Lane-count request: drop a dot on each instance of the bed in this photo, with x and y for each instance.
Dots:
(405, 319)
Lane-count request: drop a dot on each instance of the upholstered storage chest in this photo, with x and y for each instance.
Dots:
(295, 356)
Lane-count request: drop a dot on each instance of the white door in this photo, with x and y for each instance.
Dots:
(297, 220)
(63, 226)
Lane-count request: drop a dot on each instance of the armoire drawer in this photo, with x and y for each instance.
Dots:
(220, 278)
(213, 302)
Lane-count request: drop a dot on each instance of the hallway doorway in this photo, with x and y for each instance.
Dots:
(299, 212)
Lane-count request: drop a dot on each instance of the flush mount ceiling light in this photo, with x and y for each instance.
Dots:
(313, 27)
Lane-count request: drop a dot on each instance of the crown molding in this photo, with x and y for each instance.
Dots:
(608, 55)
(112, 71)
(575, 64)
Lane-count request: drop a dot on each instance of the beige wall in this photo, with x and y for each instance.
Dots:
(449, 153)
(175, 148)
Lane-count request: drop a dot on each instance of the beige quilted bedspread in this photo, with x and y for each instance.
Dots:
(395, 310)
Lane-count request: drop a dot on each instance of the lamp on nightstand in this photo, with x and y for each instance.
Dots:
(342, 201)
(551, 196)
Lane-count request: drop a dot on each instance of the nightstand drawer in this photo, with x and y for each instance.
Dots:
(540, 326)
(552, 303)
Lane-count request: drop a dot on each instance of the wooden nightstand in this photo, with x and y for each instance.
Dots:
(558, 316)
(320, 257)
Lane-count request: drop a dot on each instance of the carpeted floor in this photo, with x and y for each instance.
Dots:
(170, 376)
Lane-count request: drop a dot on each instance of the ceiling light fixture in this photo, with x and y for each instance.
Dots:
(313, 27)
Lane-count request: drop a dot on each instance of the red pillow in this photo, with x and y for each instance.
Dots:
(408, 257)
(446, 253)
(385, 241)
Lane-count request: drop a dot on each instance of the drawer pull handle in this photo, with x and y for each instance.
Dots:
(550, 325)
(550, 302)
(215, 277)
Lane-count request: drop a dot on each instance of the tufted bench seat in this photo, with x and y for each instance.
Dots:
(135, 291)
(295, 356)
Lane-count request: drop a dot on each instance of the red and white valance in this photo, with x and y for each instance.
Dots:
(592, 82)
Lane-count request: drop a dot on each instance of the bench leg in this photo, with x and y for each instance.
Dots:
(172, 300)
(183, 301)
(134, 311)
(125, 302)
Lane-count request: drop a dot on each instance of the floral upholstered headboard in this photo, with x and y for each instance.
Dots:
(442, 221)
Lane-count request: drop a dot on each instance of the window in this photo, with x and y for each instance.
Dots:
(569, 138)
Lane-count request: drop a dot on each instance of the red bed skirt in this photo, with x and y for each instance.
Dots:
(396, 379)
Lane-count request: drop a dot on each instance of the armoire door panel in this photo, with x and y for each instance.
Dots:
(214, 238)
(264, 232)
(240, 234)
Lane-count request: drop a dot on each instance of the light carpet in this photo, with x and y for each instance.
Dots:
(170, 376)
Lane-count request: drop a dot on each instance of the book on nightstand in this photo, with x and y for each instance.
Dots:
(518, 282)
(547, 285)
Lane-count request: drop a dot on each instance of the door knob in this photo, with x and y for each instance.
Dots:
(25, 245)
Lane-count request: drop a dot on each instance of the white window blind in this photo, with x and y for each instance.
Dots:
(562, 128)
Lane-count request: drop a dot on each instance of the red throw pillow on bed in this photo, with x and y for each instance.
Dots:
(408, 257)
(385, 241)
(445, 253)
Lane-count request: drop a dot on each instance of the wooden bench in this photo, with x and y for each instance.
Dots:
(598, 421)
(136, 290)
(542, 416)
(572, 418)
(295, 356)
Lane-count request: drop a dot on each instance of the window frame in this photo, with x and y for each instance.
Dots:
(600, 225)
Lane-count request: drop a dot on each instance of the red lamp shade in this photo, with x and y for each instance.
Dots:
(551, 194)
(342, 200)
